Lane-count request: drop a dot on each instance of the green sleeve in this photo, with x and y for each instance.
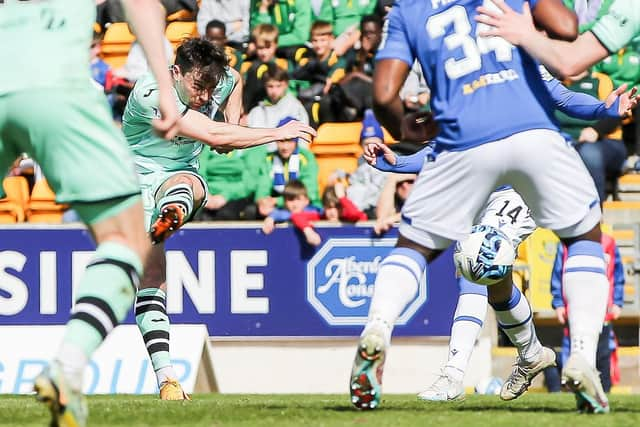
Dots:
(619, 26)
(326, 12)
(264, 182)
(301, 26)
(256, 16)
(309, 177)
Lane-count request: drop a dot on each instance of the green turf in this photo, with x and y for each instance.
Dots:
(211, 410)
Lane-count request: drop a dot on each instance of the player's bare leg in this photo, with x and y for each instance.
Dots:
(103, 299)
(176, 200)
(396, 285)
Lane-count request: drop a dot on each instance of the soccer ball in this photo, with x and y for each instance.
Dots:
(485, 257)
(490, 385)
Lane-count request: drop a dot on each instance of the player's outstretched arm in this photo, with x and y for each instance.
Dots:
(233, 106)
(388, 78)
(147, 20)
(197, 126)
(380, 156)
(561, 57)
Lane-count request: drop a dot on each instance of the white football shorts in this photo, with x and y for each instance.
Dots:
(452, 189)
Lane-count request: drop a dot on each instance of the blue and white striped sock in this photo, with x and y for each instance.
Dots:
(515, 319)
(396, 285)
(586, 290)
(468, 319)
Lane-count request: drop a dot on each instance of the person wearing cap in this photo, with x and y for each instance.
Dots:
(365, 184)
(286, 163)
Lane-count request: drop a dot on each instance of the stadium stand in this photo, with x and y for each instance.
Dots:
(178, 31)
(12, 207)
(116, 44)
(42, 207)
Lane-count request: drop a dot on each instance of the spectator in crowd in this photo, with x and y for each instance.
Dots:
(394, 193)
(100, 70)
(296, 202)
(231, 186)
(603, 155)
(415, 93)
(279, 103)
(345, 17)
(322, 69)
(615, 274)
(266, 38)
(366, 182)
(111, 10)
(360, 63)
(136, 64)
(215, 32)
(336, 208)
(234, 14)
(274, 169)
(291, 17)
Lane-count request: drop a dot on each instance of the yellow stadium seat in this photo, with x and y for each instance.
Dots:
(329, 163)
(343, 133)
(181, 15)
(177, 31)
(116, 44)
(42, 206)
(12, 207)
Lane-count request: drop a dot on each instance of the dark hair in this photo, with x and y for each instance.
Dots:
(273, 72)
(321, 28)
(294, 189)
(329, 198)
(214, 23)
(201, 55)
(370, 18)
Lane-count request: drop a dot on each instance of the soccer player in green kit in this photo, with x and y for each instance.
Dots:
(50, 109)
(172, 189)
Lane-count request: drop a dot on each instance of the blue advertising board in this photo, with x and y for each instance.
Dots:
(234, 279)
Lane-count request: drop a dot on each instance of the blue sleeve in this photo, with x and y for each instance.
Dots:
(404, 164)
(395, 42)
(280, 215)
(618, 280)
(556, 279)
(580, 105)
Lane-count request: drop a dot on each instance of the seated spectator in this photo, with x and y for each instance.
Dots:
(296, 202)
(233, 14)
(291, 17)
(231, 186)
(336, 208)
(345, 16)
(215, 32)
(265, 38)
(357, 84)
(394, 193)
(100, 70)
(274, 169)
(279, 103)
(415, 93)
(603, 154)
(366, 182)
(323, 69)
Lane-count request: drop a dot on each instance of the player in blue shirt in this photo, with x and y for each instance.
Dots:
(494, 115)
(503, 203)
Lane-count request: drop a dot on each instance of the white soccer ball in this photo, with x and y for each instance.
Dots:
(490, 385)
(485, 257)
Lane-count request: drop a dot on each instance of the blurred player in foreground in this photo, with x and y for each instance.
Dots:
(87, 163)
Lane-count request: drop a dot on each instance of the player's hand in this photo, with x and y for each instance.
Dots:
(561, 314)
(506, 22)
(296, 130)
(615, 311)
(627, 100)
(167, 125)
(378, 153)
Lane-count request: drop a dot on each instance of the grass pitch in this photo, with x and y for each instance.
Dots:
(213, 410)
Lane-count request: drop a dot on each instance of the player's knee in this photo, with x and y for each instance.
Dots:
(428, 254)
(594, 235)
